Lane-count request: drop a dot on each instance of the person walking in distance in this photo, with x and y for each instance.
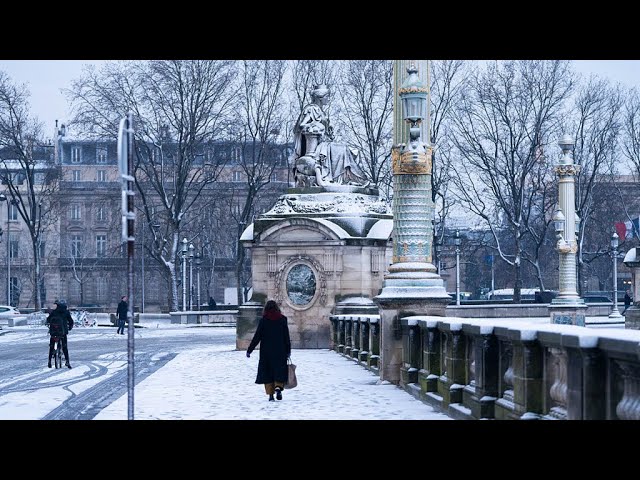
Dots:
(627, 301)
(60, 323)
(275, 347)
(123, 308)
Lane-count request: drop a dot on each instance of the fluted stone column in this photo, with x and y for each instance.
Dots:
(411, 286)
(567, 307)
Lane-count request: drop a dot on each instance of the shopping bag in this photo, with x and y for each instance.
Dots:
(292, 380)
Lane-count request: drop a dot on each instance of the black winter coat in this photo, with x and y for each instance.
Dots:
(275, 347)
(123, 308)
(59, 321)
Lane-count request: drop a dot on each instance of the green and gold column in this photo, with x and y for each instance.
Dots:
(411, 286)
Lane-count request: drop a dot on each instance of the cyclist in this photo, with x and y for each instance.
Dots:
(60, 323)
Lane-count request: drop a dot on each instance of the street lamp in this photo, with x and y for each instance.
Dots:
(457, 242)
(3, 198)
(198, 263)
(184, 274)
(191, 249)
(615, 313)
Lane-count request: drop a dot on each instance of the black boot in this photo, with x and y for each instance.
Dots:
(271, 399)
(67, 364)
(278, 393)
(49, 364)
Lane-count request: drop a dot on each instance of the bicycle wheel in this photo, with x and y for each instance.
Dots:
(58, 354)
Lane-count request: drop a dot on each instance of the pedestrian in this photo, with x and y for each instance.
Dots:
(275, 347)
(123, 309)
(212, 303)
(627, 301)
(60, 323)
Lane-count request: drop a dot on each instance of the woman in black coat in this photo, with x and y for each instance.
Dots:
(275, 347)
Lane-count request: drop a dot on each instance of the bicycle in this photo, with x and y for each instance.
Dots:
(57, 350)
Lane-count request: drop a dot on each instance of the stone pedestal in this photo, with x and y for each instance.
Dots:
(568, 314)
(632, 314)
(320, 251)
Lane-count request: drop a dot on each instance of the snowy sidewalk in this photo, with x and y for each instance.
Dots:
(217, 383)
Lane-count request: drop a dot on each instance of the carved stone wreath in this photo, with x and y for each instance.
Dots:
(281, 286)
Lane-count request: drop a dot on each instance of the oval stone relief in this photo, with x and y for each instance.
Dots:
(301, 284)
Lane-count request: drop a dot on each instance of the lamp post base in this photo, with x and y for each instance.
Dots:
(568, 313)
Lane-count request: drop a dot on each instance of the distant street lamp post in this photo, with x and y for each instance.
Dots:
(198, 263)
(3, 198)
(184, 274)
(191, 249)
(457, 242)
(615, 313)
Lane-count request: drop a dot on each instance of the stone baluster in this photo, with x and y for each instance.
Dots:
(428, 375)
(334, 332)
(364, 340)
(504, 406)
(355, 350)
(348, 336)
(629, 406)
(480, 397)
(342, 328)
(451, 383)
(374, 357)
(558, 390)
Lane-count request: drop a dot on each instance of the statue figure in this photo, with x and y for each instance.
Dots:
(318, 159)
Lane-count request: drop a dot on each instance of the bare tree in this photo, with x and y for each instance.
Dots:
(596, 125)
(259, 132)
(27, 167)
(180, 108)
(448, 78)
(508, 113)
(366, 94)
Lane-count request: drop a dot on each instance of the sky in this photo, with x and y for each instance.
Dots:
(46, 78)
(218, 383)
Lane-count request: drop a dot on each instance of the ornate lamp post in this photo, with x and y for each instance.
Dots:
(457, 242)
(191, 249)
(567, 307)
(184, 274)
(3, 198)
(198, 263)
(615, 313)
(411, 285)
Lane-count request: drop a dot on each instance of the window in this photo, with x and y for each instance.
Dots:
(101, 290)
(76, 245)
(76, 154)
(237, 176)
(101, 245)
(101, 176)
(13, 212)
(274, 177)
(75, 175)
(100, 214)
(76, 212)
(39, 178)
(14, 247)
(101, 155)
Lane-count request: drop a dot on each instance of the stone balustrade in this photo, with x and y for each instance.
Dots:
(506, 369)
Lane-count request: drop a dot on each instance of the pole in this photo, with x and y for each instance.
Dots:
(184, 275)
(130, 262)
(125, 163)
(457, 275)
(493, 275)
(142, 260)
(615, 313)
(8, 255)
(198, 286)
(190, 283)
